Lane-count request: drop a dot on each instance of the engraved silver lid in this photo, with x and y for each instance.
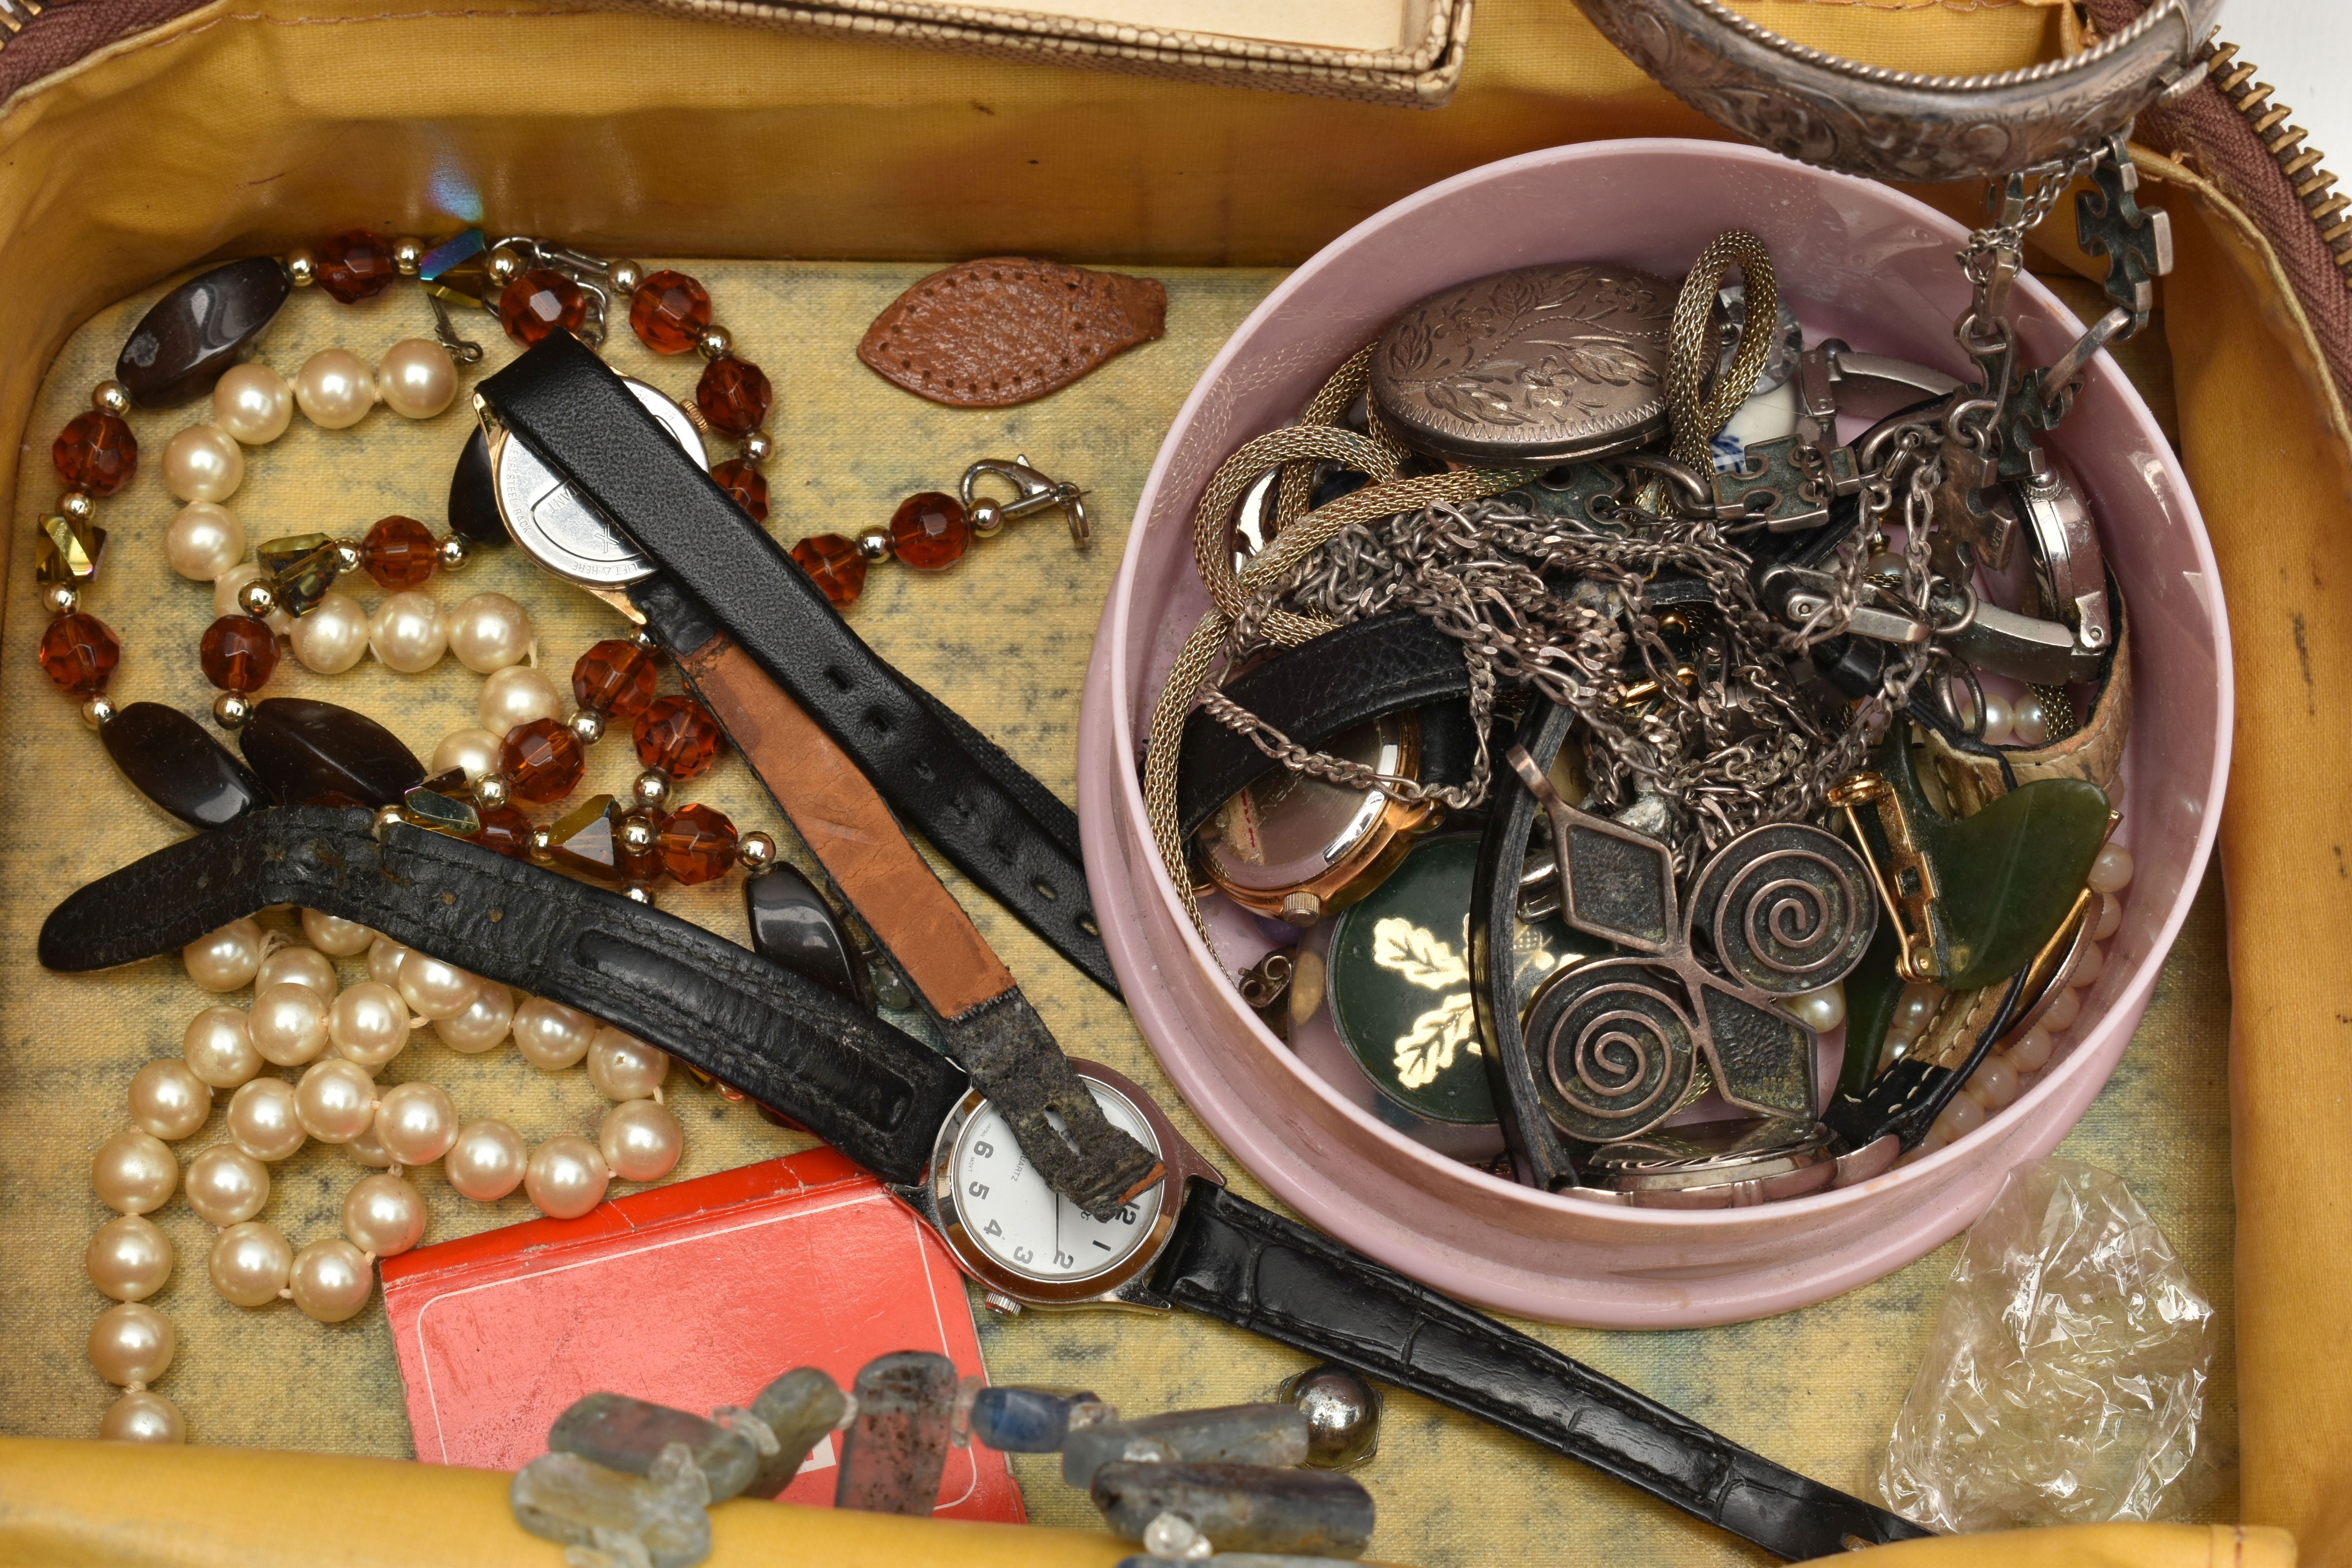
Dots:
(1542, 365)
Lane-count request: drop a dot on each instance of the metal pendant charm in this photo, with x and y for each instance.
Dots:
(1782, 908)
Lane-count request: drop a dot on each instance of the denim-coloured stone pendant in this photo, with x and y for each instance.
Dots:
(1267, 1434)
(898, 1447)
(192, 334)
(1239, 1508)
(1017, 1420)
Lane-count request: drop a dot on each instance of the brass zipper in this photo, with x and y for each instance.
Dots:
(14, 14)
(2300, 162)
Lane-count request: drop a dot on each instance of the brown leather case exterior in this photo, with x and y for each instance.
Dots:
(850, 831)
(1005, 329)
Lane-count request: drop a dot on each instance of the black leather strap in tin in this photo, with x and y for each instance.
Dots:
(876, 1094)
(577, 417)
(1234, 1262)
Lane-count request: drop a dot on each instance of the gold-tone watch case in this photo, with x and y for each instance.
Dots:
(1365, 863)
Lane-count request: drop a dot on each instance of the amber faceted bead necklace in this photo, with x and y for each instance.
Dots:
(932, 530)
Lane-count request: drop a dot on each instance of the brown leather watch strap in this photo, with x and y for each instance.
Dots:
(849, 828)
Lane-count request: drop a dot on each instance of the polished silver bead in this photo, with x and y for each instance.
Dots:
(647, 641)
(407, 253)
(638, 893)
(759, 447)
(258, 599)
(454, 552)
(61, 598)
(302, 267)
(756, 851)
(541, 844)
(987, 519)
(875, 544)
(111, 396)
(1343, 1415)
(588, 725)
(638, 834)
(652, 787)
(78, 505)
(386, 817)
(490, 791)
(348, 557)
(504, 264)
(231, 710)
(715, 342)
(97, 712)
(625, 276)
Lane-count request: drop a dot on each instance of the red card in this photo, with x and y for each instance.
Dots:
(693, 1296)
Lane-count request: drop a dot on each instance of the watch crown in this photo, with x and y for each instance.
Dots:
(1302, 910)
(1004, 1305)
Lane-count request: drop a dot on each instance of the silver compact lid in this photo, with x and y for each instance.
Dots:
(558, 529)
(1540, 365)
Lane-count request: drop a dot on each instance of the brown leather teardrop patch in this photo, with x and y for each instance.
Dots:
(1005, 329)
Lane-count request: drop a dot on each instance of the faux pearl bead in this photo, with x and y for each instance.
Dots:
(333, 936)
(224, 591)
(331, 1279)
(2112, 872)
(407, 635)
(289, 1024)
(335, 388)
(622, 1067)
(249, 1263)
(486, 1162)
(143, 1415)
(201, 463)
(475, 751)
(384, 1215)
(517, 695)
(332, 636)
(1994, 1084)
(641, 1141)
(1917, 1009)
(416, 1122)
(1820, 1011)
(552, 1036)
(128, 1259)
(335, 1100)
(2111, 916)
(2030, 1052)
(1998, 720)
(369, 1024)
(304, 966)
(567, 1176)
(2028, 724)
(132, 1343)
(168, 1101)
(218, 1046)
(226, 1186)
(368, 1148)
(416, 378)
(265, 1120)
(384, 959)
(436, 989)
(204, 540)
(2062, 1013)
(253, 402)
(1960, 1118)
(226, 960)
(489, 632)
(486, 1021)
(134, 1171)
(2087, 968)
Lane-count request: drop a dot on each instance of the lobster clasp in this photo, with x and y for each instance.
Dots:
(1035, 494)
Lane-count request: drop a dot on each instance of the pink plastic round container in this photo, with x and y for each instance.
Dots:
(1855, 260)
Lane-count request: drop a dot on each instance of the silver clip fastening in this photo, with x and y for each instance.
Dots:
(1036, 493)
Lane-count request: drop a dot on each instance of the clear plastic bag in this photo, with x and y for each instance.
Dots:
(2065, 1381)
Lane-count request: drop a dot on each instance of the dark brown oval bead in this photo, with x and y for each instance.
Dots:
(192, 334)
(794, 927)
(170, 759)
(308, 752)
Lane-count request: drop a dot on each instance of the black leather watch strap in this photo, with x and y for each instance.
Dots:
(577, 417)
(1903, 1100)
(1233, 1260)
(877, 1095)
(1314, 691)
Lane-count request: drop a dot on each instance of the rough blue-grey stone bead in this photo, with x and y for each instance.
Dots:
(1233, 1434)
(898, 1447)
(1021, 1420)
(625, 1433)
(800, 1408)
(1241, 1508)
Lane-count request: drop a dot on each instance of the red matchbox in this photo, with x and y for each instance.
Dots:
(693, 1296)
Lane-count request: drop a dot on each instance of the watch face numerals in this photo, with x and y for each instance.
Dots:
(1024, 1226)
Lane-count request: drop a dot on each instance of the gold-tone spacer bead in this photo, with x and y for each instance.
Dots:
(302, 267)
(874, 544)
(97, 712)
(652, 788)
(504, 264)
(78, 505)
(715, 342)
(349, 556)
(407, 254)
(542, 845)
(111, 396)
(258, 599)
(61, 598)
(638, 834)
(231, 710)
(490, 791)
(625, 275)
(759, 447)
(638, 893)
(386, 817)
(588, 725)
(756, 851)
(454, 553)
